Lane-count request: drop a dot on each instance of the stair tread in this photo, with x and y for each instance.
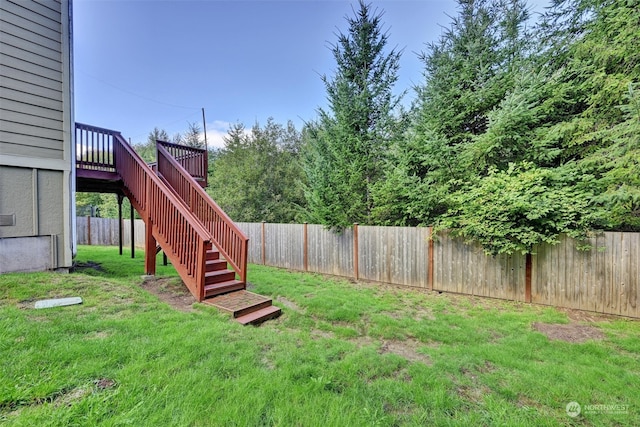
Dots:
(215, 289)
(260, 315)
(216, 265)
(228, 283)
(219, 272)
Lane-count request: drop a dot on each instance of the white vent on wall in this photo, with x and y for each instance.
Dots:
(7, 220)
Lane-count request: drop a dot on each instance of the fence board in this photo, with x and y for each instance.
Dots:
(397, 255)
(254, 233)
(330, 252)
(603, 279)
(81, 231)
(104, 232)
(284, 246)
(465, 269)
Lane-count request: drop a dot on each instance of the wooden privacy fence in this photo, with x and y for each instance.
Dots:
(605, 279)
(105, 232)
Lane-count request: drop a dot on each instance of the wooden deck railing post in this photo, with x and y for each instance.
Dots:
(150, 243)
(200, 274)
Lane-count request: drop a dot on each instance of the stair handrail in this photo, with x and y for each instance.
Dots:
(226, 236)
(194, 160)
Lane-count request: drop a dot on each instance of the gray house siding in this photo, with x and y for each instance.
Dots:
(36, 138)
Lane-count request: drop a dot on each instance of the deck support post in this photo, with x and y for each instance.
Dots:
(120, 197)
(149, 250)
(133, 232)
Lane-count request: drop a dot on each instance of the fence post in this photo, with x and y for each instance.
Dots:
(430, 261)
(89, 230)
(355, 251)
(305, 249)
(264, 255)
(527, 278)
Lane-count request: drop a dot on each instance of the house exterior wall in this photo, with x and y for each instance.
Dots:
(37, 158)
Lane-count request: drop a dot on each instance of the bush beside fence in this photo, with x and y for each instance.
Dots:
(605, 279)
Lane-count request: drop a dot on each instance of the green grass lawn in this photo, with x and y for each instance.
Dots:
(341, 354)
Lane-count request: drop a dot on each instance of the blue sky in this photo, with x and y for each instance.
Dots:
(139, 64)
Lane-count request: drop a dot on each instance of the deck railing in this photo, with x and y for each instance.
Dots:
(178, 232)
(194, 160)
(225, 235)
(94, 148)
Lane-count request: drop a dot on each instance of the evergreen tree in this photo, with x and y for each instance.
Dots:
(345, 147)
(257, 174)
(561, 153)
(468, 72)
(193, 136)
(147, 150)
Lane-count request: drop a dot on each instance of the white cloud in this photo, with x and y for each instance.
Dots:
(216, 131)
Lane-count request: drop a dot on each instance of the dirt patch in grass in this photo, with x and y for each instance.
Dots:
(318, 333)
(407, 349)
(172, 291)
(104, 383)
(572, 332)
(97, 335)
(26, 304)
(65, 397)
(473, 393)
(89, 265)
(69, 397)
(586, 316)
(362, 341)
(288, 303)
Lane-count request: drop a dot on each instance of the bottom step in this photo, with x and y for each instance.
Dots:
(246, 307)
(260, 316)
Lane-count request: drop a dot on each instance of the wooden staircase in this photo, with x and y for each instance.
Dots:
(218, 278)
(204, 245)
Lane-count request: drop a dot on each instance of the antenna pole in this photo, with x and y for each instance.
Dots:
(204, 127)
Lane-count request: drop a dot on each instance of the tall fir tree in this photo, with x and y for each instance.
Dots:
(346, 145)
(193, 136)
(468, 72)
